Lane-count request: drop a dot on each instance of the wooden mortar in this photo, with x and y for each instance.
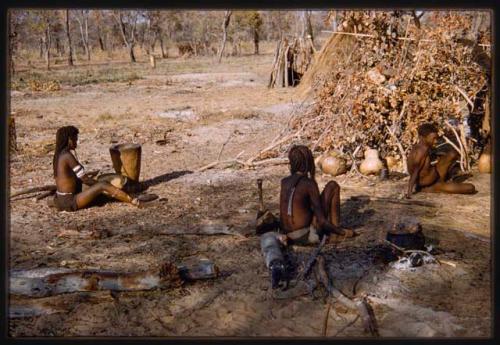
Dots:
(126, 160)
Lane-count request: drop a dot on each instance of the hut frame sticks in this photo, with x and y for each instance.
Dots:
(291, 60)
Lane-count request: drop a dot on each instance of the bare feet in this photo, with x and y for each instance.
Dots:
(336, 238)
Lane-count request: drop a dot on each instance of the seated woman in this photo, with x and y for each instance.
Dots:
(305, 214)
(70, 174)
(426, 177)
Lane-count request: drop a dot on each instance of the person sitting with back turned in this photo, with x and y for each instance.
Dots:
(427, 177)
(305, 214)
(69, 175)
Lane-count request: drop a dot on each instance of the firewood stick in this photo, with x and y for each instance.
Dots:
(462, 92)
(373, 36)
(410, 251)
(270, 161)
(405, 47)
(213, 164)
(464, 142)
(456, 149)
(224, 144)
(462, 150)
(325, 320)
(45, 194)
(346, 326)
(51, 187)
(400, 147)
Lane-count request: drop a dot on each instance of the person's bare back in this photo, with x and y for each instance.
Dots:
(302, 205)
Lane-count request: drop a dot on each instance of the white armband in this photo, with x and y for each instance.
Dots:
(79, 171)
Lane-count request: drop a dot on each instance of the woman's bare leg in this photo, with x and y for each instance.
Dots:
(330, 201)
(451, 188)
(84, 198)
(444, 163)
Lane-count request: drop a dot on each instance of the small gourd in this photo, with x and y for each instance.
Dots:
(372, 164)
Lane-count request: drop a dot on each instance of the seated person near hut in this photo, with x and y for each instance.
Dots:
(69, 175)
(305, 214)
(427, 177)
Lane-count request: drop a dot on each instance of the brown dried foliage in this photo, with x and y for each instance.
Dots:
(421, 75)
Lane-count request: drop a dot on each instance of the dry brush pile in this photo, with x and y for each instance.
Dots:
(385, 76)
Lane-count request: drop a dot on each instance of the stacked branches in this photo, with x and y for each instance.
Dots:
(385, 76)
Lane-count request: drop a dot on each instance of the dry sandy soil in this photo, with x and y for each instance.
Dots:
(197, 111)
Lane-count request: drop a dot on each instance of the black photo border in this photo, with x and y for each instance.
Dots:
(248, 4)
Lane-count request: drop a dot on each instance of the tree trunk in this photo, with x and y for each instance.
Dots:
(68, 35)
(99, 36)
(87, 47)
(131, 52)
(47, 46)
(164, 54)
(12, 47)
(256, 42)
(225, 24)
(334, 21)
(309, 28)
(129, 42)
(12, 135)
(41, 44)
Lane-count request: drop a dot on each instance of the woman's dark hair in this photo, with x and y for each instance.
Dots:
(301, 160)
(62, 138)
(426, 129)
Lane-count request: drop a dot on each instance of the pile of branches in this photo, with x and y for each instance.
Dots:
(396, 75)
(291, 60)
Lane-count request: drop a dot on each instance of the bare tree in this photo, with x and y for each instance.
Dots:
(83, 22)
(225, 24)
(68, 35)
(128, 19)
(47, 40)
(97, 16)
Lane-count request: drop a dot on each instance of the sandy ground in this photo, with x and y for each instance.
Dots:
(197, 112)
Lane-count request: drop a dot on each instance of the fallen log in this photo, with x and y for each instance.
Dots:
(53, 281)
(45, 194)
(21, 307)
(50, 187)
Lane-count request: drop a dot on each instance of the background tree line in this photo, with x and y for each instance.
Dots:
(84, 35)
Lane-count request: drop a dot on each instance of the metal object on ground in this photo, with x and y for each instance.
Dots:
(407, 235)
(53, 281)
(205, 269)
(416, 259)
(270, 245)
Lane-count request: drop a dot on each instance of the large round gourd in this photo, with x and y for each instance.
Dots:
(333, 165)
(372, 164)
